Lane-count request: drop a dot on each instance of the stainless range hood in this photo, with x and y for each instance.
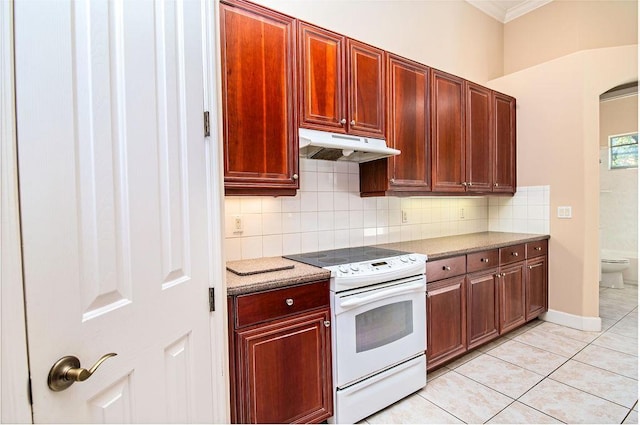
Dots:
(316, 144)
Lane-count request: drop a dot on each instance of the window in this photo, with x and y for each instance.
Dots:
(623, 151)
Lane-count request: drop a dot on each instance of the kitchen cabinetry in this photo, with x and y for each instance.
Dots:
(280, 355)
(479, 164)
(474, 298)
(260, 133)
(482, 284)
(536, 279)
(446, 310)
(447, 132)
(341, 83)
(504, 135)
(407, 130)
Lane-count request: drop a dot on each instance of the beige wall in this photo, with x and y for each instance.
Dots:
(618, 116)
(563, 27)
(558, 131)
(449, 35)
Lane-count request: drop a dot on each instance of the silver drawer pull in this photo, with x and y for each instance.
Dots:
(289, 301)
(515, 254)
(327, 323)
(446, 268)
(484, 260)
(538, 248)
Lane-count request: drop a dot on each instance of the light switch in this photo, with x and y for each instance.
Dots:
(564, 212)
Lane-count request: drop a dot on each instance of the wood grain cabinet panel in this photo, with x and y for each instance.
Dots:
(258, 100)
(483, 311)
(446, 320)
(280, 355)
(504, 127)
(479, 162)
(536, 286)
(447, 132)
(321, 65)
(511, 284)
(407, 130)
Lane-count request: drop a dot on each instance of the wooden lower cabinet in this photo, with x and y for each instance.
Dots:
(281, 367)
(482, 298)
(511, 284)
(536, 287)
(446, 320)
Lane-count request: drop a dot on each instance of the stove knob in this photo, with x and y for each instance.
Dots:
(354, 267)
(404, 259)
(342, 269)
(412, 257)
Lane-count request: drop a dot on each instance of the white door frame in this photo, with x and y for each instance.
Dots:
(14, 370)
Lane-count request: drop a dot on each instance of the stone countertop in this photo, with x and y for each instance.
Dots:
(448, 246)
(300, 273)
(434, 248)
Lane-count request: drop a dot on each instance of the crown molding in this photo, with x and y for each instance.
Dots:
(505, 11)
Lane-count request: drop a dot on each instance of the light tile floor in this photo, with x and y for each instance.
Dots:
(540, 373)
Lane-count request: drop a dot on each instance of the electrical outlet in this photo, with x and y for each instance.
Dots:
(237, 224)
(405, 216)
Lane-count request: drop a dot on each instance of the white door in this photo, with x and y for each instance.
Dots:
(115, 207)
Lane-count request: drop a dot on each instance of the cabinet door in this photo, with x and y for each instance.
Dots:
(483, 317)
(408, 109)
(366, 89)
(511, 285)
(258, 99)
(479, 146)
(536, 284)
(447, 133)
(322, 85)
(283, 371)
(446, 320)
(504, 116)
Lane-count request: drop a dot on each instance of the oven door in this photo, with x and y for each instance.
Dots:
(377, 327)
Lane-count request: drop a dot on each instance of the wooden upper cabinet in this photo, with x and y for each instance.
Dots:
(479, 139)
(258, 100)
(447, 132)
(341, 83)
(365, 65)
(321, 58)
(504, 125)
(407, 130)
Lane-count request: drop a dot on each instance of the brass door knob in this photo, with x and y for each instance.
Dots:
(67, 370)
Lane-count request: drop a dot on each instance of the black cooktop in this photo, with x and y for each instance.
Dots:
(335, 257)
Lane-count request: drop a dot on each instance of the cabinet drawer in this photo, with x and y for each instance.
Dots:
(442, 269)
(511, 254)
(537, 248)
(262, 306)
(482, 260)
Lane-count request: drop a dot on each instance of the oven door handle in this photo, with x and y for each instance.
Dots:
(358, 301)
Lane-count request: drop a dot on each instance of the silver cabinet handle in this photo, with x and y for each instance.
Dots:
(470, 184)
(327, 323)
(495, 184)
(353, 122)
(67, 370)
(343, 121)
(289, 301)
(464, 184)
(515, 254)
(295, 177)
(538, 248)
(484, 260)
(446, 268)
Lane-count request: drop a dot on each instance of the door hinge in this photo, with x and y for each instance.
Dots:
(207, 125)
(212, 300)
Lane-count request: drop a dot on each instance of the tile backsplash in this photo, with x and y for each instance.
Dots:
(328, 213)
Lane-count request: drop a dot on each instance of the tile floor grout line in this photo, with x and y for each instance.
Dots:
(587, 392)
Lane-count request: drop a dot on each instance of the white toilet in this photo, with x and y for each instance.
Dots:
(612, 267)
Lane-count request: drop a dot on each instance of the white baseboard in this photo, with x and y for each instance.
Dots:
(583, 323)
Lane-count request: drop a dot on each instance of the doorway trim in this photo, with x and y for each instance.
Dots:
(14, 368)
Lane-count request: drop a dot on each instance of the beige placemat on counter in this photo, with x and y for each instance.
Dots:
(259, 265)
